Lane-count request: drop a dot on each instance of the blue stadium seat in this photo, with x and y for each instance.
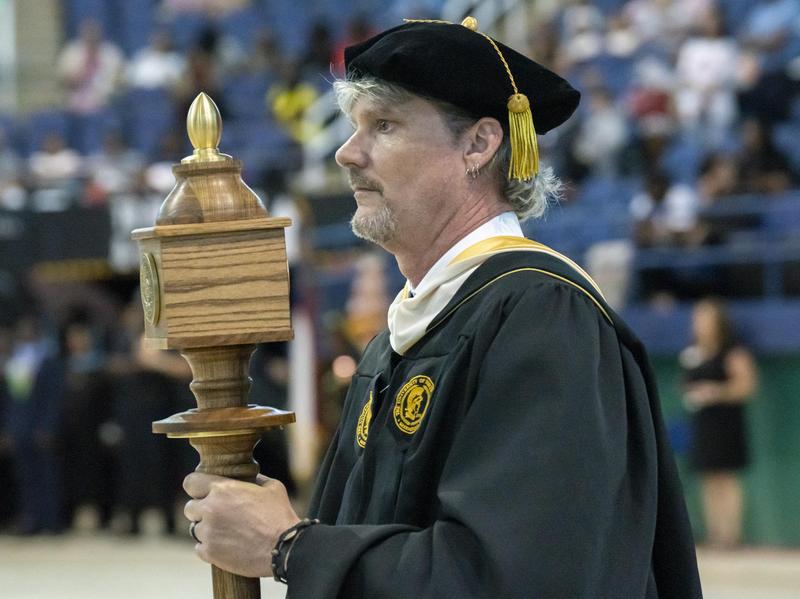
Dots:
(782, 218)
(261, 145)
(88, 133)
(335, 289)
(136, 22)
(734, 13)
(609, 7)
(41, 124)
(77, 11)
(245, 95)
(185, 31)
(290, 21)
(243, 25)
(610, 195)
(148, 114)
(682, 159)
(7, 124)
(785, 137)
(615, 72)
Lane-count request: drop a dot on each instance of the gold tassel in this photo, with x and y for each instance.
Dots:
(524, 163)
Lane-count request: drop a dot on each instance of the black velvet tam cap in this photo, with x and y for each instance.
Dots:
(456, 64)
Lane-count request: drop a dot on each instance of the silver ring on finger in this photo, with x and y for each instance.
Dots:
(192, 533)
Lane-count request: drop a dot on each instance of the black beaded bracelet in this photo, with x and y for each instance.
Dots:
(284, 548)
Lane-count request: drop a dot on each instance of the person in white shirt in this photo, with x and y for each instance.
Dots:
(90, 69)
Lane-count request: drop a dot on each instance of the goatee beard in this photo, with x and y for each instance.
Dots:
(378, 227)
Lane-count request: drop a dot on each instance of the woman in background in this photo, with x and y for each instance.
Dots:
(719, 376)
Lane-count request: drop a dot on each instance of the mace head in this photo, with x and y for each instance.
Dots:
(204, 125)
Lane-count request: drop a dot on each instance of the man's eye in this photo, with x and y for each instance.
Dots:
(383, 125)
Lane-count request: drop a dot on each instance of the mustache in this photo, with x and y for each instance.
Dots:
(358, 180)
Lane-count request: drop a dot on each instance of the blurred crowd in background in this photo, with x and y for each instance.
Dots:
(682, 180)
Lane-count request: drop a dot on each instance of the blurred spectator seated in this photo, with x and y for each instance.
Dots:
(12, 193)
(648, 99)
(266, 57)
(770, 31)
(223, 49)
(211, 7)
(584, 25)
(113, 170)
(706, 72)
(718, 181)
(210, 58)
(288, 99)
(665, 214)
(762, 168)
(358, 30)
(622, 40)
(770, 40)
(244, 88)
(157, 65)
(148, 114)
(129, 212)
(54, 170)
(90, 69)
(718, 178)
(318, 55)
(365, 311)
(655, 20)
(543, 46)
(601, 135)
(158, 177)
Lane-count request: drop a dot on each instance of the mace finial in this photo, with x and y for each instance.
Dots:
(204, 125)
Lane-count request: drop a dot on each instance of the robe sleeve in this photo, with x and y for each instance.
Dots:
(531, 494)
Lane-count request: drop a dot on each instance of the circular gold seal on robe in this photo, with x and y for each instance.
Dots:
(362, 428)
(148, 286)
(412, 403)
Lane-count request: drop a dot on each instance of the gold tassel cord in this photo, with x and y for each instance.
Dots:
(524, 164)
(524, 147)
(427, 21)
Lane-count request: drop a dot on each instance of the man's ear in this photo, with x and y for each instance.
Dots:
(482, 142)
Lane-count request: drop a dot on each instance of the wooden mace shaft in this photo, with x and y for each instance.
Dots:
(226, 584)
(231, 456)
(221, 380)
(224, 430)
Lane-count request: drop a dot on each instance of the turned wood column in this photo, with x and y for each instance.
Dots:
(214, 283)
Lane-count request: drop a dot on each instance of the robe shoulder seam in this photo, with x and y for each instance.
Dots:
(501, 276)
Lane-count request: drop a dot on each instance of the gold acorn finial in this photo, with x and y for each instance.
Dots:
(470, 23)
(204, 125)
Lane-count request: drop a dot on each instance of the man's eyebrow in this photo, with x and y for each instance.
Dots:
(378, 108)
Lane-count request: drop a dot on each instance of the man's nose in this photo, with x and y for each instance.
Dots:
(351, 153)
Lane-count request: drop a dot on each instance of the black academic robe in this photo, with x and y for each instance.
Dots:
(517, 450)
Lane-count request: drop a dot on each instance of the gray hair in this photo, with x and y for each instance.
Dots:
(528, 199)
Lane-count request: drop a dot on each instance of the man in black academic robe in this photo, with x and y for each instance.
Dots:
(503, 437)
(540, 468)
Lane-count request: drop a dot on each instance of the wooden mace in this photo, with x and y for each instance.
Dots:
(214, 282)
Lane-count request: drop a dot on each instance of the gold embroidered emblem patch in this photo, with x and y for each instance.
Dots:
(412, 402)
(362, 428)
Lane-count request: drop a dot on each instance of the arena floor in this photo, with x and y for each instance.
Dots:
(102, 566)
